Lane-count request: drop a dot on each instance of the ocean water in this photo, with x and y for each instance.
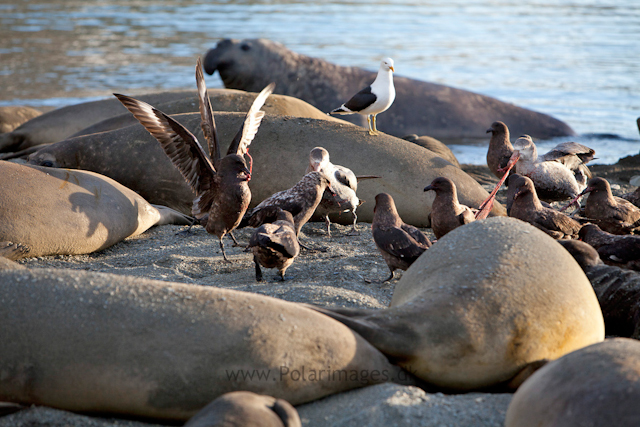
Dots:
(577, 60)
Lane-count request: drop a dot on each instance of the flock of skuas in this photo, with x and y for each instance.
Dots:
(223, 195)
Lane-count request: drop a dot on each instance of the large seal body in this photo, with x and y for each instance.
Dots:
(61, 123)
(103, 343)
(60, 211)
(420, 107)
(483, 303)
(280, 152)
(595, 386)
(230, 100)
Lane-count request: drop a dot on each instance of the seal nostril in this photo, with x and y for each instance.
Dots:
(245, 47)
(47, 163)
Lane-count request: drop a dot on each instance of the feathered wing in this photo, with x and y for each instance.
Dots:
(346, 177)
(207, 122)
(417, 235)
(398, 243)
(573, 155)
(180, 145)
(247, 132)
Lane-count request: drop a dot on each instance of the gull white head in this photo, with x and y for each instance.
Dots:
(387, 64)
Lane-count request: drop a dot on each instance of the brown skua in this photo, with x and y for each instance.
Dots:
(446, 212)
(620, 251)
(400, 244)
(221, 187)
(527, 207)
(613, 214)
(275, 245)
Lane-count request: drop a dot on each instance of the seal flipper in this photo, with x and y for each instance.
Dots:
(379, 327)
(14, 251)
(172, 216)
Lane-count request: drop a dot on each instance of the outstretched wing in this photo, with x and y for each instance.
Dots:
(247, 132)
(207, 122)
(180, 145)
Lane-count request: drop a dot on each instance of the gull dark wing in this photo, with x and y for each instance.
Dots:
(361, 100)
(249, 128)
(180, 145)
(207, 122)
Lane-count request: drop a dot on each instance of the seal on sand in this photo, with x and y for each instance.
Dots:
(12, 117)
(60, 211)
(423, 108)
(483, 303)
(243, 408)
(433, 145)
(280, 152)
(137, 347)
(598, 385)
(61, 123)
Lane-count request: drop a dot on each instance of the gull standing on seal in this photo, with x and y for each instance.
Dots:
(344, 184)
(222, 186)
(373, 99)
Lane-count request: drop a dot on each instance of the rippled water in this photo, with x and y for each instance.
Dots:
(576, 60)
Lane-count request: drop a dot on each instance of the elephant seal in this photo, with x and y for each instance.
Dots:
(595, 386)
(246, 409)
(484, 303)
(68, 212)
(423, 108)
(106, 343)
(12, 117)
(221, 100)
(434, 145)
(61, 123)
(280, 152)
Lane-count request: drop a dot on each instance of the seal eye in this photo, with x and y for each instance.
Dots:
(47, 163)
(245, 47)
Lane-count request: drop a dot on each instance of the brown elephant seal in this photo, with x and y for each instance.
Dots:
(423, 108)
(484, 303)
(59, 211)
(61, 123)
(595, 386)
(246, 409)
(221, 100)
(115, 344)
(12, 117)
(434, 145)
(280, 152)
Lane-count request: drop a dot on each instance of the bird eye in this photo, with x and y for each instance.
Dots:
(47, 163)
(245, 47)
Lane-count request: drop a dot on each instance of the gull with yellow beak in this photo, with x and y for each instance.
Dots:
(373, 99)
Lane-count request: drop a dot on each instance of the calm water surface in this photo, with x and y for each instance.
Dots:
(576, 60)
